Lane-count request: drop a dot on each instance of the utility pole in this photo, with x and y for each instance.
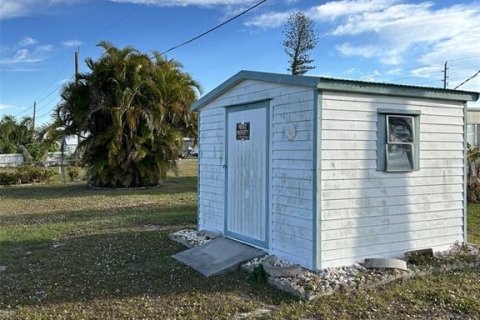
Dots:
(76, 81)
(34, 111)
(33, 118)
(76, 65)
(445, 76)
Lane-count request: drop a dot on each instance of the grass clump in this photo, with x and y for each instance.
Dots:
(474, 223)
(73, 173)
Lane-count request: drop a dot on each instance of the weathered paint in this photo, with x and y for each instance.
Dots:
(290, 177)
(327, 203)
(335, 85)
(465, 173)
(372, 213)
(247, 175)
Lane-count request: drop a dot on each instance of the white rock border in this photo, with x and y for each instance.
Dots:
(309, 285)
(192, 238)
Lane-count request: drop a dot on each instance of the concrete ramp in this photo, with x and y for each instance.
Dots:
(217, 256)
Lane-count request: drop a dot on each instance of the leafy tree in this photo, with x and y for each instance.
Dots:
(20, 137)
(132, 113)
(14, 134)
(300, 39)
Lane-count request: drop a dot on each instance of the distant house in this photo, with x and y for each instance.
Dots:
(71, 144)
(473, 127)
(327, 172)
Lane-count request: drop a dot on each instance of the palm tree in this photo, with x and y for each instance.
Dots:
(132, 112)
(15, 136)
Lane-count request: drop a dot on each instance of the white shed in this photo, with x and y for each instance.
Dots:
(327, 172)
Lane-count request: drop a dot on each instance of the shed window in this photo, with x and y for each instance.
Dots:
(398, 142)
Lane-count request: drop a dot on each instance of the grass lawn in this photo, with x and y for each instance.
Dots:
(75, 253)
(474, 223)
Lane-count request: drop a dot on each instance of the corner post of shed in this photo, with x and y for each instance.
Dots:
(317, 180)
(465, 174)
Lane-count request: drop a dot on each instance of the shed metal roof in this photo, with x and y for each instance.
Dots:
(330, 84)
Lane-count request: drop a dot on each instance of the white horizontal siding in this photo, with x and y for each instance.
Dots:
(352, 214)
(292, 179)
(368, 213)
(291, 165)
(211, 173)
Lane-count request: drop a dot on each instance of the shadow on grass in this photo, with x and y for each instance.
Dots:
(109, 265)
(50, 191)
(125, 215)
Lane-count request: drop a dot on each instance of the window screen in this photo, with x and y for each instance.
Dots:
(398, 141)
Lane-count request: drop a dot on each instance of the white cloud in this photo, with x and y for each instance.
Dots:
(349, 50)
(21, 8)
(394, 32)
(394, 71)
(26, 56)
(269, 20)
(72, 43)
(4, 106)
(374, 76)
(426, 72)
(336, 9)
(63, 81)
(184, 3)
(329, 11)
(402, 29)
(27, 41)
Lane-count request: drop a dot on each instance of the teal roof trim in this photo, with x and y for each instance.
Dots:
(303, 81)
(330, 84)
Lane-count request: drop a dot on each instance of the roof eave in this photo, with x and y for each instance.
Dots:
(327, 84)
(304, 81)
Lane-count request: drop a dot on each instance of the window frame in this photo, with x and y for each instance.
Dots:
(383, 138)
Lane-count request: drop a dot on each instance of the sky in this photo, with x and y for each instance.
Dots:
(395, 41)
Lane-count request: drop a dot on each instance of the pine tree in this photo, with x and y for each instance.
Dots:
(300, 39)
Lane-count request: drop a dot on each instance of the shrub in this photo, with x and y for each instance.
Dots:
(8, 178)
(73, 173)
(26, 175)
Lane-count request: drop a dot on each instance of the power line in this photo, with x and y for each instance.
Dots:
(215, 28)
(465, 58)
(463, 67)
(38, 101)
(112, 24)
(57, 76)
(461, 84)
(50, 93)
(49, 103)
(46, 113)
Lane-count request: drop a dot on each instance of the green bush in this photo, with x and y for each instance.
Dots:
(8, 178)
(35, 150)
(73, 173)
(25, 175)
(9, 148)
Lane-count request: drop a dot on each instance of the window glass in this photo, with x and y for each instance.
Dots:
(399, 157)
(400, 138)
(400, 129)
